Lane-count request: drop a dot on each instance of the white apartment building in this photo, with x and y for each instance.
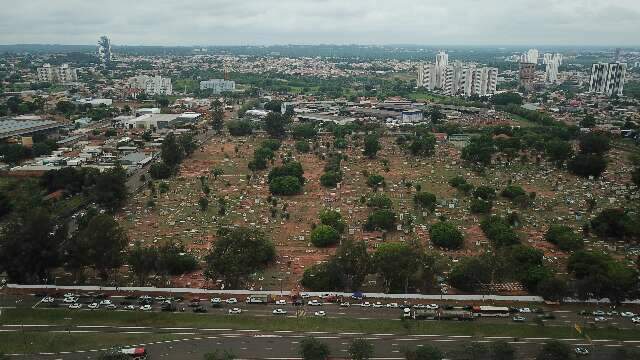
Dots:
(57, 74)
(531, 56)
(552, 64)
(426, 76)
(442, 61)
(608, 79)
(218, 85)
(152, 85)
(457, 79)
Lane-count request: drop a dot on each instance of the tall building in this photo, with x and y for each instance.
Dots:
(426, 76)
(527, 75)
(218, 86)
(151, 85)
(442, 61)
(104, 51)
(552, 64)
(57, 74)
(608, 79)
(531, 56)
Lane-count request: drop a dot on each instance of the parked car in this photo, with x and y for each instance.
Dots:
(627, 314)
(519, 319)
(305, 296)
(129, 307)
(598, 313)
(105, 302)
(392, 305)
(75, 306)
(524, 310)
(93, 306)
(314, 303)
(432, 306)
(146, 307)
(320, 313)
(366, 304)
(235, 311)
(199, 309)
(48, 300)
(636, 319)
(112, 306)
(216, 301)
(231, 301)
(344, 304)
(600, 318)
(378, 304)
(281, 302)
(279, 312)
(70, 300)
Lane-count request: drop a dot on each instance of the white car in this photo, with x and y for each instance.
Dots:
(48, 300)
(75, 306)
(314, 303)
(216, 300)
(627, 314)
(112, 306)
(432, 306)
(636, 319)
(519, 319)
(344, 304)
(600, 318)
(392, 305)
(582, 351)
(378, 304)
(305, 296)
(281, 302)
(279, 312)
(129, 307)
(68, 295)
(366, 304)
(105, 302)
(320, 313)
(524, 310)
(231, 301)
(70, 300)
(598, 313)
(93, 306)
(146, 307)
(235, 311)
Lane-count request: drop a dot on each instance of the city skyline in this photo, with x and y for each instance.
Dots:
(486, 22)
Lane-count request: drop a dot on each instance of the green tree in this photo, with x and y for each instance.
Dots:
(480, 206)
(371, 146)
(594, 143)
(172, 152)
(285, 185)
(558, 151)
(354, 262)
(554, 350)
(436, 115)
(479, 150)
(379, 201)
(512, 192)
(203, 203)
(330, 179)
(217, 118)
(506, 98)
(502, 350)
(360, 349)
(423, 145)
(106, 242)
(469, 273)
(326, 276)
(564, 237)
(486, 193)
(324, 235)
(110, 189)
(426, 200)
(334, 219)
(30, 246)
(275, 125)
(375, 180)
(313, 349)
(446, 235)
(616, 224)
(381, 219)
(426, 352)
(240, 127)
(143, 261)
(237, 253)
(553, 289)
(586, 165)
(302, 146)
(304, 131)
(396, 262)
(588, 121)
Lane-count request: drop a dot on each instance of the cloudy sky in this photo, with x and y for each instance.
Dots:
(257, 22)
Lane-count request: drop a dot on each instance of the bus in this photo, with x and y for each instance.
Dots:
(491, 311)
(138, 353)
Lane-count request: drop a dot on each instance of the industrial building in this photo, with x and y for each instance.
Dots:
(26, 126)
(218, 86)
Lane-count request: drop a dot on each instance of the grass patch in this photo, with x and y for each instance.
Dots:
(30, 342)
(476, 328)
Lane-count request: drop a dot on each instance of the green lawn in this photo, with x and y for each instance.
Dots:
(476, 328)
(30, 342)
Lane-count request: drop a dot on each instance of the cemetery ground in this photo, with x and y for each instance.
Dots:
(153, 217)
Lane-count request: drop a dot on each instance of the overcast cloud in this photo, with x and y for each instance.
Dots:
(256, 22)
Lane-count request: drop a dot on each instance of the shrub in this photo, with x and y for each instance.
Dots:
(324, 235)
(425, 200)
(285, 185)
(480, 206)
(446, 235)
(381, 219)
(379, 201)
(564, 237)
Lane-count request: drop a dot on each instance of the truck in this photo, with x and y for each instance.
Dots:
(258, 299)
(437, 314)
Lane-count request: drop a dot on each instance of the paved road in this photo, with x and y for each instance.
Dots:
(193, 343)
